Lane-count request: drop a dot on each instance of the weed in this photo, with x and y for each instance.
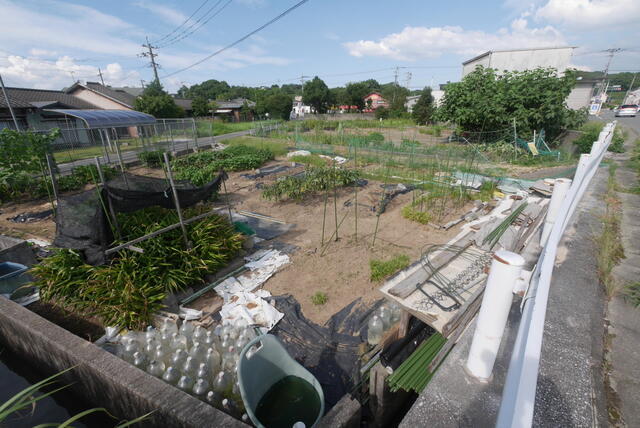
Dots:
(632, 293)
(153, 158)
(319, 298)
(610, 249)
(383, 269)
(311, 160)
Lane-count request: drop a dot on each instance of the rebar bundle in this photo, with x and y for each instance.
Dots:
(413, 375)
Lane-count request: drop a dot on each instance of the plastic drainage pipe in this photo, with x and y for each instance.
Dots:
(496, 304)
(560, 189)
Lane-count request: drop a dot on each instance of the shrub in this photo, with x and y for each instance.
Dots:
(411, 212)
(319, 298)
(383, 269)
(153, 158)
(130, 289)
(314, 179)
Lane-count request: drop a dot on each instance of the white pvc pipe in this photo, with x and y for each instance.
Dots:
(560, 189)
(494, 311)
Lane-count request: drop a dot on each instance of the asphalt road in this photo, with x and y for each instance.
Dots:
(630, 122)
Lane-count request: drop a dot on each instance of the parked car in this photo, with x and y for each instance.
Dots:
(627, 110)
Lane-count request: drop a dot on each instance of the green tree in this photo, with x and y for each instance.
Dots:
(200, 106)
(355, 93)
(317, 95)
(156, 102)
(423, 108)
(278, 105)
(382, 113)
(486, 101)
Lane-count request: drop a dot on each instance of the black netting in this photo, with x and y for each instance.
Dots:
(81, 221)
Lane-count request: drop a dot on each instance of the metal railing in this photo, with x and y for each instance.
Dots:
(519, 393)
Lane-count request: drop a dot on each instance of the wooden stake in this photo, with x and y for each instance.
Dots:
(176, 201)
(335, 198)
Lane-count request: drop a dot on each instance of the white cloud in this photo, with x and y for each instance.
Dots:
(589, 14)
(33, 72)
(42, 52)
(71, 28)
(414, 43)
(168, 14)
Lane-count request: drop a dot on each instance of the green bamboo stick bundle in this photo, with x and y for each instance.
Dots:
(412, 375)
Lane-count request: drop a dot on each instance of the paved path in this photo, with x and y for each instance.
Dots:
(132, 155)
(624, 319)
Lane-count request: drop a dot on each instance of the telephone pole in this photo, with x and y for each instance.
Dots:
(152, 56)
(100, 74)
(612, 52)
(395, 83)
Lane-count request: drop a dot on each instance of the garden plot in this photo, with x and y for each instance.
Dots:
(340, 268)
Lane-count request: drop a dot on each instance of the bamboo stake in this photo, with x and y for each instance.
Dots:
(335, 198)
(122, 168)
(324, 213)
(226, 196)
(46, 185)
(54, 183)
(176, 201)
(104, 186)
(355, 161)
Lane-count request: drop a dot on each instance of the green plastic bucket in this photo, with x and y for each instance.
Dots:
(265, 368)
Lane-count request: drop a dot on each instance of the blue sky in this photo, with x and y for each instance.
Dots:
(48, 43)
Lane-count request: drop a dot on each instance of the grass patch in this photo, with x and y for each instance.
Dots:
(208, 128)
(275, 145)
(311, 160)
(609, 242)
(381, 269)
(319, 298)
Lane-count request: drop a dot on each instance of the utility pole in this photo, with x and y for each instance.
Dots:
(624, 100)
(395, 83)
(6, 98)
(612, 52)
(73, 77)
(152, 56)
(142, 83)
(100, 74)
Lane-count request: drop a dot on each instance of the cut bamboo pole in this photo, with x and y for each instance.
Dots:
(176, 201)
(110, 206)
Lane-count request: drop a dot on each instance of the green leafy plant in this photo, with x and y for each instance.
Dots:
(381, 269)
(314, 179)
(319, 298)
(26, 399)
(202, 167)
(153, 158)
(130, 289)
(312, 160)
(412, 212)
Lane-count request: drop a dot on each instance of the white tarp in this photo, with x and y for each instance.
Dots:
(253, 308)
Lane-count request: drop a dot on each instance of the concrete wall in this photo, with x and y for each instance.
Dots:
(580, 96)
(100, 101)
(102, 378)
(520, 60)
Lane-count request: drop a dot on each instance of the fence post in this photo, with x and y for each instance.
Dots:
(195, 132)
(560, 189)
(494, 311)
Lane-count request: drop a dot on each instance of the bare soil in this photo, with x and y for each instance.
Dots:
(340, 268)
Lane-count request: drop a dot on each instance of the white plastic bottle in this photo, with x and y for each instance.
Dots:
(190, 367)
(156, 368)
(374, 333)
(214, 398)
(213, 360)
(171, 375)
(139, 360)
(221, 383)
(200, 388)
(185, 383)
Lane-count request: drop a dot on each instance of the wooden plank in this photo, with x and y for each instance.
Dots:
(404, 324)
(462, 313)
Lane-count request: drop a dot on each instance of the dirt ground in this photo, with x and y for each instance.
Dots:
(343, 271)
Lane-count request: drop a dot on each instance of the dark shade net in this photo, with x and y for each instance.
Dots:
(82, 224)
(329, 352)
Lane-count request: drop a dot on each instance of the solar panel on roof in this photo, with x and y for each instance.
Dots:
(108, 118)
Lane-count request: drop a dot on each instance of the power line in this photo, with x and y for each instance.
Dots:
(243, 38)
(186, 33)
(185, 21)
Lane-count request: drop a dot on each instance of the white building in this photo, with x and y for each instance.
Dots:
(521, 59)
(299, 109)
(529, 59)
(633, 97)
(437, 95)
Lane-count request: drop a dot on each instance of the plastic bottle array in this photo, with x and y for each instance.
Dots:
(386, 316)
(200, 362)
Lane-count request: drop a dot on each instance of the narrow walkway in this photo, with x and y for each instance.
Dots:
(624, 328)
